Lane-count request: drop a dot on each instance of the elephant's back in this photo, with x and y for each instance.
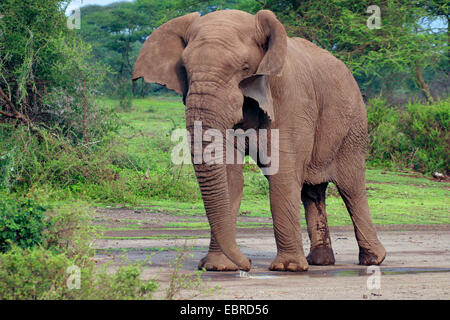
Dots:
(334, 84)
(340, 108)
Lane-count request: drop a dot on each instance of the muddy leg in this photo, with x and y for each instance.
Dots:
(215, 260)
(313, 198)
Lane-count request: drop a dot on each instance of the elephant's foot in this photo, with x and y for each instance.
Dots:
(289, 262)
(321, 256)
(372, 256)
(216, 261)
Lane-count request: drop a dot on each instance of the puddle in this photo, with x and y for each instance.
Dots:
(365, 272)
(361, 272)
(243, 274)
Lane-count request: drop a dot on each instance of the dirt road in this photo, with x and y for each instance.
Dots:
(417, 265)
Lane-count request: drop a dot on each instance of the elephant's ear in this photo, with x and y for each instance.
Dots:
(160, 58)
(270, 35)
(257, 88)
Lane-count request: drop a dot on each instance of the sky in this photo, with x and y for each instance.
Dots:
(79, 3)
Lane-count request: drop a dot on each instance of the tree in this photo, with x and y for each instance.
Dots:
(406, 41)
(114, 31)
(45, 77)
(27, 31)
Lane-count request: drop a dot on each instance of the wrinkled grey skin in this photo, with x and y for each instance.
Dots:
(237, 70)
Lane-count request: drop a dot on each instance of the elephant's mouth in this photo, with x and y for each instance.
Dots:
(253, 116)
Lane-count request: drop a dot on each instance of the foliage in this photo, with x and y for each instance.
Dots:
(46, 76)
(36, 274)
(40, 271)
(406, 58)
(414, 137)
(412, 36)
(46, 159)
(32, 274)
(116, 32)
(123, 284)
(22, 223)
(26, 224)
(180, 282)
(116, 169)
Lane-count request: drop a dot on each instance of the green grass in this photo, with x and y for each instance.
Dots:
(394, 197)
(157, 237)
(135, 171)
(150, 249)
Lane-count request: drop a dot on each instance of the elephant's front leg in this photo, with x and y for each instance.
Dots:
(285, 191)
(215, 260)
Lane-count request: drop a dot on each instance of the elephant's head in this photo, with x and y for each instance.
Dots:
(214, 61)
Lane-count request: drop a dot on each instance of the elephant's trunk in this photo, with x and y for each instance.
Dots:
(212, 177)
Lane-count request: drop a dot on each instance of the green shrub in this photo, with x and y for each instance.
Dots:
(37, 273)
(46, 71)
(31, 273)
(415, 137)
(426, 128)
(124, 284)
(27, 160)
(41, 271)
(70, 230)
(257, 183)
(22, 223)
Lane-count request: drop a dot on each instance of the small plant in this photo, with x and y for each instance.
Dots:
(257, 182)
(6, 169)
(185, 281)
(70, 231)
(124, 284)
(22, 223)
(124, 93)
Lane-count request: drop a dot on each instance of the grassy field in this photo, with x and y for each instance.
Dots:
(394, 197)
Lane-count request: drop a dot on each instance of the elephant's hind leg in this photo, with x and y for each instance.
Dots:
(215, 260)
(371, 251)
(313, 198)
(351, 183)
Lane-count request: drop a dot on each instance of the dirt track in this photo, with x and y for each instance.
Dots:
(417, 265)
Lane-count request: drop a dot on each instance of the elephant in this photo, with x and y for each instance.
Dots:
(239, 70)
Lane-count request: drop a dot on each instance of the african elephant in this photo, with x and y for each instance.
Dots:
(238, 70)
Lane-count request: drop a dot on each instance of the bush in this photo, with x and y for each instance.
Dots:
(415, 137)
(40, 269)
(36, 273)
(29, 160)
(70, 230)
(47, 79)
(32, 274)
(22, 223)
(426, 128)
(124, 284)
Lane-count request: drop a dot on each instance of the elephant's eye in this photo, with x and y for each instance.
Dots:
(245, 69)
